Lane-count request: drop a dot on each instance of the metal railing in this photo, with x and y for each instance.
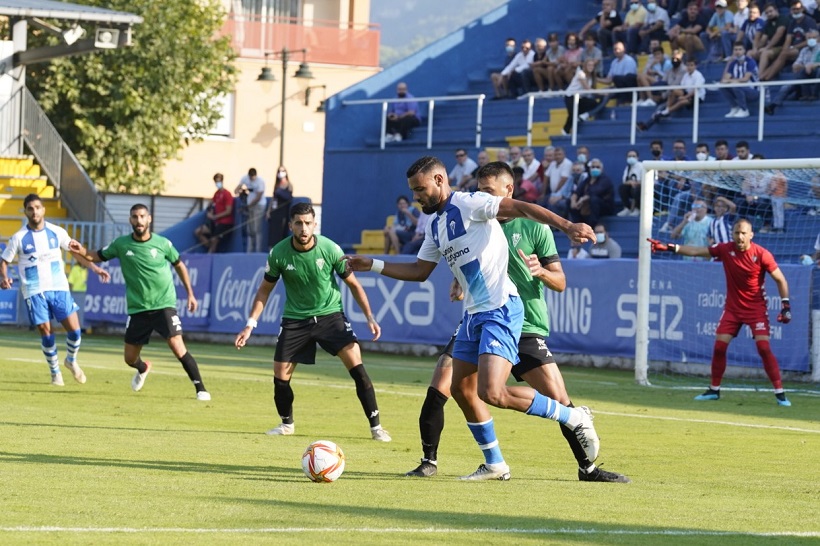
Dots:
(761, 87)
(431, 107)
(72, 184)
(532, 97)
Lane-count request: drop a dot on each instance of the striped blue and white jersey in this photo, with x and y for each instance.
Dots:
(469, 237)
(40, 258)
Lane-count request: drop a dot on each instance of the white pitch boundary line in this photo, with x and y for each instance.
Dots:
(399, 530)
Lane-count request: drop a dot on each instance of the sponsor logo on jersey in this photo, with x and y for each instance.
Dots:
(754, 259)
(516, 238)
(29, 247)
(290, 267)
(153, 252)
(129, 253)
(495, 343)
(760, 326)
(320, 263)
(452, 255)
(453, 226)
(32, 258)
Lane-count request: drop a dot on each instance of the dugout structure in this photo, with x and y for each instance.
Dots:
(791, 187)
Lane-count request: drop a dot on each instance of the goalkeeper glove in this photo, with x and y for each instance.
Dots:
(658, 246)
(785, 315)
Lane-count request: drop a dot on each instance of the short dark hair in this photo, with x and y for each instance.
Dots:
(401, 198)
(518, 170)
(31, 197)
(702, 145)
(302, 208)
(721, 142)
(494, 168)
(218, 176)
(658, 142)
(423, 165)
(251, 172)
(138, 206)
(742, 144)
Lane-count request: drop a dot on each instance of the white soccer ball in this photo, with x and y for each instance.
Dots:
(323, 461)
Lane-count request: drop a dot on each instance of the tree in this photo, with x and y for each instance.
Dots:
(126, 112)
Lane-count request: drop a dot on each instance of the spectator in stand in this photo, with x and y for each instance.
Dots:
(694, 228)
(603, 23)
(769, 42)
(503, 155)
(754, 202)
(462, 173)
(546, 158)
(537, 73)
(530, 165)
(692, 190)
(702, 154)
(582, 154)
(671, 185)
(720, 229)
(557, 175)
(594, 198)
(623, 72)
(523, 189)
(570, 60)
(719, 36)
(796, 35)
(681, 98)
(577, 252)
(604, 246)
(592, 52)
(588, 104)
(740, 17)
(219, 217)
(653, 74)
(630, 188)
(655, 26)
(686, 34)
(254, 186)
(778, 189)
(403, 228)
(481, 159)
(515, 157)
(742, 151)
(278, 211)
(749, 30)
(805, 67)
(560, 202)
(741, 69)
(549, 70)
(413, 245)
(402, 117)
(514, 71)
(628, 31)
(501, 82)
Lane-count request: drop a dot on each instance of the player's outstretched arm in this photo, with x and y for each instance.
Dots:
(104, 275)
(5, 280)
(683, 250)
(259, 301)
(79, 251)
(361, 299)
(417, 271)
(513, 208)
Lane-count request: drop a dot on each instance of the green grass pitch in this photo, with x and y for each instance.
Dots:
(98, 463)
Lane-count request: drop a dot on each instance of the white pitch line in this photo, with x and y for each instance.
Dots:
(426, 530)
(706, 421)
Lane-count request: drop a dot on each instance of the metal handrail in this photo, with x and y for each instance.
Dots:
(431, 105)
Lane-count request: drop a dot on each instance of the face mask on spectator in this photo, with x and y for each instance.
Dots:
(595, 171)
(600, 238)
(401, 95)
(805, 259)
(283, 174)
(797, 16)
(811, 42)
(219, 185)
(701, 156)
(634, 7)
(510, 48)
(631, 160)
(679, 154)
(656, 153)
(651, 6)
(582, 158)
(676, 62)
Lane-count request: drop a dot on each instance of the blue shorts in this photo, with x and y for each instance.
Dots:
(495, 332)
(57, 304)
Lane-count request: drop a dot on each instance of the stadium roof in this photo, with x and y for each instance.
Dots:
(52, 9)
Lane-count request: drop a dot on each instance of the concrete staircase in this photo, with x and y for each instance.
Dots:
(20, 176)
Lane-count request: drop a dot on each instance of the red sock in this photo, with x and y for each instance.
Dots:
(769, 362)
(718, 362)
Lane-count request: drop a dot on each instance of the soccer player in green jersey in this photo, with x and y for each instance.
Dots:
(150, 295)
(313, 314)
(533, 264)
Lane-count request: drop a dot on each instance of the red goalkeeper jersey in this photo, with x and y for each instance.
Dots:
(745, 274)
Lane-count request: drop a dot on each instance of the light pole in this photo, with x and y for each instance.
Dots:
(266, 75)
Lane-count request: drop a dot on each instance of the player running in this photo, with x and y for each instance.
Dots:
(313, 314)
(533, 264)
(745, 264)
(39, 246)
(465, 233)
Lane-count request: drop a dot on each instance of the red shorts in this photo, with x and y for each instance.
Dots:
(730, 324)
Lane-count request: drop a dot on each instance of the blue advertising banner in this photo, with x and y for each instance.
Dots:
(8, 306)
(596, 314)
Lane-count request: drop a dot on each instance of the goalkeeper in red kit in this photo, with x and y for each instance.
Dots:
(745, 265)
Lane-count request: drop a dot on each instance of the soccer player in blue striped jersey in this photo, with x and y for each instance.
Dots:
(38, 247)
(465, 232)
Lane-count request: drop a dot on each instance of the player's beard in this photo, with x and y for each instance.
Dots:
(139, 230)
(432, 204)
